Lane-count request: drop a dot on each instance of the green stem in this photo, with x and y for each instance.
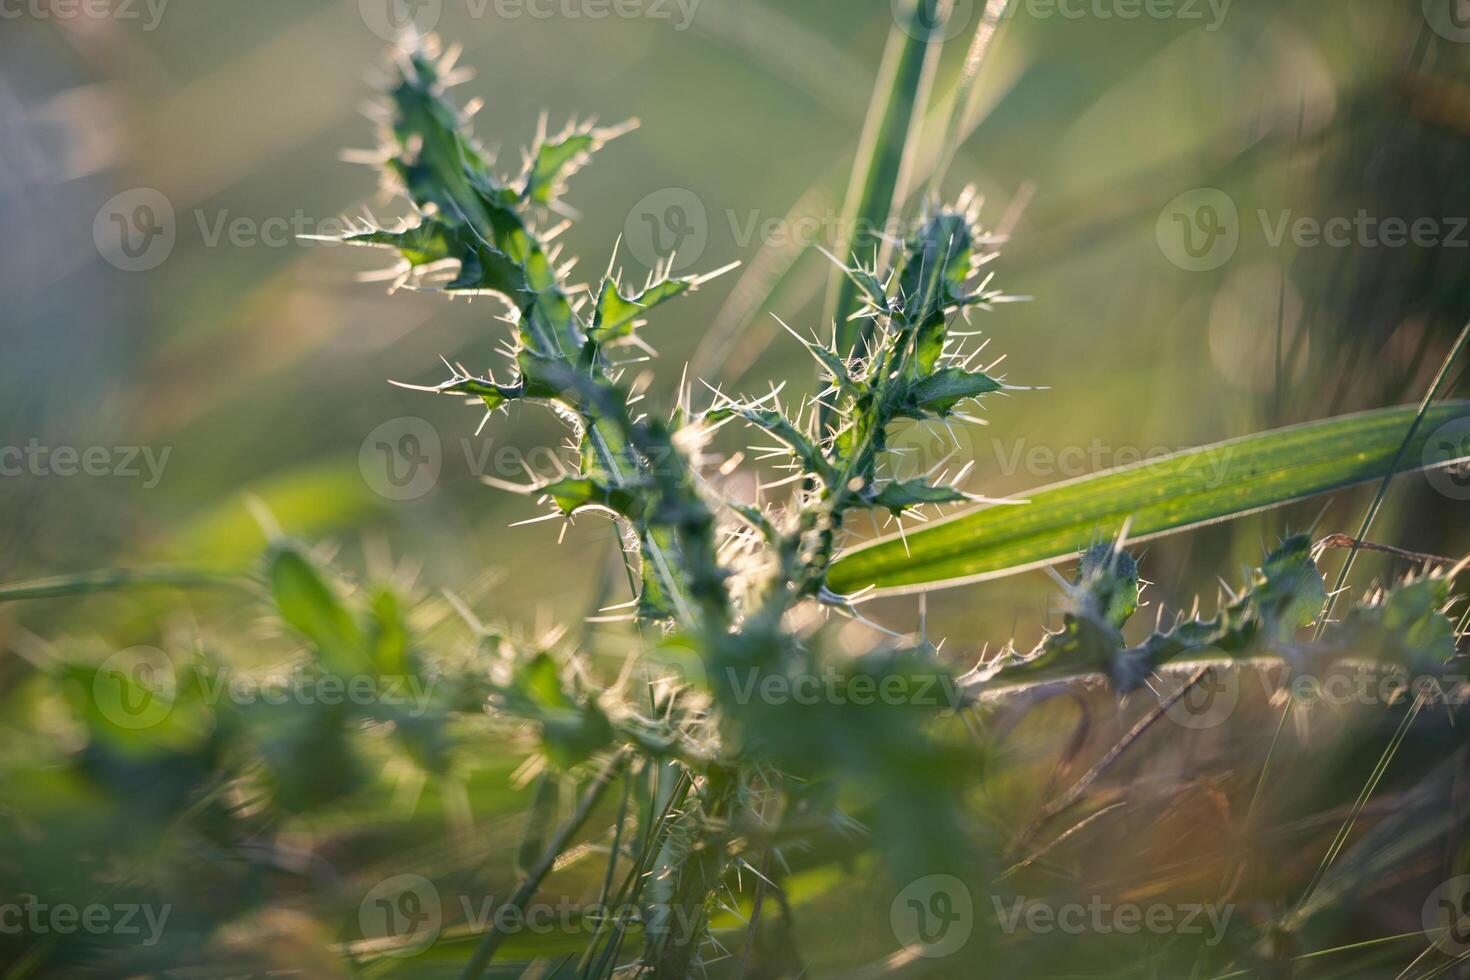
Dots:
(113, 579)
(485, 952)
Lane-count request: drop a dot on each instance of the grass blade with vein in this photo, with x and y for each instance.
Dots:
(1172, 493)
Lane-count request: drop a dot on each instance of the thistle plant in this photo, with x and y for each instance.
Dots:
(729, 589)
(744, 748)
(726, 577)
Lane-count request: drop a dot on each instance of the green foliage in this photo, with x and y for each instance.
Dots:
(1171, 493)
(752, 745)
(734, 585)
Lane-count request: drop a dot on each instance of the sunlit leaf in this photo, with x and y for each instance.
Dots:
(1199, 486)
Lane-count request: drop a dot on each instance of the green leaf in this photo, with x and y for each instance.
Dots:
(778, 425)
(939, 393)
(1406, 627)
(311, 606)
(654, 602)
(900, 495)
(868, 286)
(554, 161)
(1187, 489)
(571, 730)
(1109, 577)
(937, 264)
(423, 244)
(390, 641)
(573, 493)
(616, 315)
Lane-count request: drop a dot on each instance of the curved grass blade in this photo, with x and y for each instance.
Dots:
(889, 141)
(1183, 490)
(111, 580)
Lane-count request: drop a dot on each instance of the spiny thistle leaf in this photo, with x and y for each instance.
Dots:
(938, 264)
(1284, 594)
(1109, 577)
(572, 728)
(782, 428)
(426, 243)
(1406, 626)
(870, 290)
(556, 159)
(616, 314)
(900, 495)
(938, 393)
(575, 493)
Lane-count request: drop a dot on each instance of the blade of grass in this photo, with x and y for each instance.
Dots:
(954, 132)
(739, 335)
(110, 580)
(1183, 490)
(886, 150)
